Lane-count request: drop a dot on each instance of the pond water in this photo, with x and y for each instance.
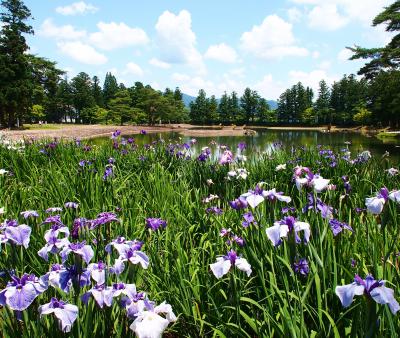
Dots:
(264, 139)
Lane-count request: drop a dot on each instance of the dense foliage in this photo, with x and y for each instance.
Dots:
(285, 288)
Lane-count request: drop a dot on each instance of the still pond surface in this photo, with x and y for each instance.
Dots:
(265, 138)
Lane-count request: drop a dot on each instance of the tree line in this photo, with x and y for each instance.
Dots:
(84, 100)
(230, 109)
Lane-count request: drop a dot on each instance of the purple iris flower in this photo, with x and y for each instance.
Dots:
(239, 241)
(337, 226)
(21, 292)
(225, 232)
(375, 204)
(121, 245)
(78, 224)
(273, 195)
(53, 243)
(15, 234)
(80, 249)
(102, 294)
(224, 264)
(111, 160)
(29, 213)
(316, 204)
(287, 210)
(214, 210)
(370, 288)
(203, 157)
(128, 290)
(108, 172)
(258, 195)
(148, 322)
(301, 267)
(103, 218)
(285, 227)
(248, 219)
(143, 132)
(242, 146)
(346, 183)
(135, 305)
(226, 158)
(155, 223)
(65, 313)
(71, 205)
(131, 255)
(59, 277)
(54, 220)
(63, 277)
(98, 272)
(53, 209)
(238, 203)
(115, 134)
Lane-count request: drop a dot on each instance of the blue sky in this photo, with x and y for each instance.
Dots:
(219, 46)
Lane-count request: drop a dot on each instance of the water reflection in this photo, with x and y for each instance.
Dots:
(263, 141)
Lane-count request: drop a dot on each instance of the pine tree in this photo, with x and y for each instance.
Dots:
(322, 104)
(82, 95)
(248, 103)
(212, 115)
(15, 77)
(234, 108)
(382, 58)
(223, 109)
(64, 99)
(198, 108)
(97, 92)
(110, 88)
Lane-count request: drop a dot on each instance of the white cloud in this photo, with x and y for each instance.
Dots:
(133, 69)
(222, 53)
(75, 8)
(311, 79)
(344, 55)
(324, 65)
(177, 41)
(361, 10)
(273, 39)
(117, 35)
(326, 17)
(315, 54)
(50, 30)
(294, 14)
(268, 88)
(378, 35)
(160, 64)
(228, 83)
(238, 72)
(82, 52)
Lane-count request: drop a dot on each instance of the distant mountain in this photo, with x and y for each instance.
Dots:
(187, 99)
(272, 104)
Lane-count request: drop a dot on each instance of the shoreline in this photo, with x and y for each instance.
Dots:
(71, 131)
